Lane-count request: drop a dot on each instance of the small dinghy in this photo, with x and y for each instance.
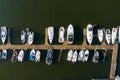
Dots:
(50, 34)
(70, 34)
(4, 54)
(86, 55)
(114, 35)
(100, 34)
(89, 33)
(74, 57)
(23, 36)
(108, 36)
(70, 54)
(14, 56)
(21, 56)
(61, 34)
(32, 55)
(49, 57)
(81, 55)
(37, 56)
(30, 37)
(3, 34)
(96, 57)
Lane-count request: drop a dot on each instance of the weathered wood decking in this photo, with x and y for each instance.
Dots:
(65, 46)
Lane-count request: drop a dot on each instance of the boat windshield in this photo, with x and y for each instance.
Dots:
(70, 38)
(108, 32)
(90, 29)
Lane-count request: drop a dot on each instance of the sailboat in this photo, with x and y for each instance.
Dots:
(21, 56)
(81, 55)
(86, 56)
(100, 34)
(37, 56)
(114, 35)
(4, 54)
(61, 34)
(96, 57)
(3, 34)
(30, 37)
(74, 57)
(50, 34)
(108, 36)
(32, 55)
(89, 33)
(70, 54)
(23, 36)
(49, 57)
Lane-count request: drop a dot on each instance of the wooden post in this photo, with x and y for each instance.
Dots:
(84, 36)
(113, 62)
(46, 36)
(60, 55)
(8, 40)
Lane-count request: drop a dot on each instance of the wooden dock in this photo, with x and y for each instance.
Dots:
(65, 46)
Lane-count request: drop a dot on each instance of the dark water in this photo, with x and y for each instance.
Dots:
(38, 14)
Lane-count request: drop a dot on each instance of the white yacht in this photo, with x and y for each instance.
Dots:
(30, 37)
(114, 35)
(4, 54)
(108, 36)
(23, 36)
(32, 55)
(100, 34)
(70, 34)
(86, 56)
(50, 34)
(70, 54)
(61, 34)
(37, 56)
(21, 56)
(74, 57)
(81, 55)
(96, 57)
(89, 33)
(49, 57)
(3, 34)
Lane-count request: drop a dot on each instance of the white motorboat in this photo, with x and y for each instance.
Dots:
(49, 57)
(119, 33)
(3, 34)
(23, 36)
(61, 34)
(96, 57)
(74, 57)
(89, 33)
(70, 34)
(4, 54)
(100, 34)
(86, 56)
(81, 55)
(50, 34)
(32, 55)
(30, 37)
(21, 56)
(108, 36)
(70, 54)
(114, 35)
(117, 77)
(37, 56)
